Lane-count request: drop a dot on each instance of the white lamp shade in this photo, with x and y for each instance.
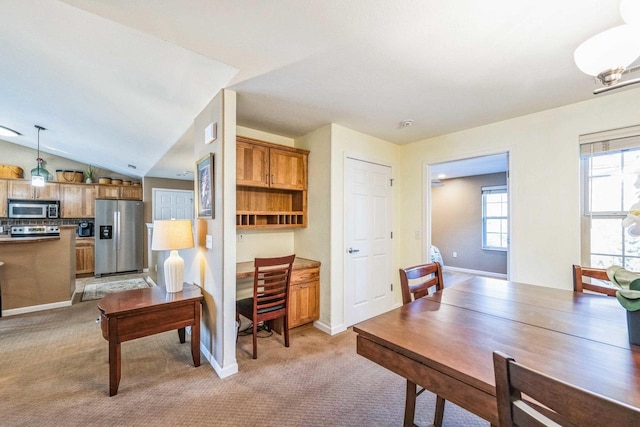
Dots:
(630, 11)
(615, 48)
(172, 234)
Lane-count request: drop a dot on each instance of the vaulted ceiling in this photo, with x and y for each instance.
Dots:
(119, 82)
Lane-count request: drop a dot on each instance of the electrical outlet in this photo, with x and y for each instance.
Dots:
(455, 254)
(417, 234)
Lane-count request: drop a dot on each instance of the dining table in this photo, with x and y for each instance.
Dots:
(444, 342)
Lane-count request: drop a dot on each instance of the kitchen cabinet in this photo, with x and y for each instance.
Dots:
(77, 201)
(85, 249)
(3, 198)
(271, 185)
(126, 192)
(22, 189)
(304, 296)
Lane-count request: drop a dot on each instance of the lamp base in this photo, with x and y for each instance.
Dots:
(174, 272)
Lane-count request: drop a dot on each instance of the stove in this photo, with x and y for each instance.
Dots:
(35, 230)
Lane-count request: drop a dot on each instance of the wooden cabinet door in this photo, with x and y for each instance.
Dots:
(20, 190)
(107, 192)
(3, 198)
(252, 165)
(287, 169)
(304, 304)
(77, 201)
(131, 192)
(50, 191)
(84, 257)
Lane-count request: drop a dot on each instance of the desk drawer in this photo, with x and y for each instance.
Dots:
(305, 275)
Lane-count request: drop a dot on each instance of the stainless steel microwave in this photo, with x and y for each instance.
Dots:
(34, 208)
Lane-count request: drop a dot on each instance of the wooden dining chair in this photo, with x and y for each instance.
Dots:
(271, 280)
(579, 285)
(415, 283)
(564, 404)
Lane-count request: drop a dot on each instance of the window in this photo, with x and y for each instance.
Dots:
(495, 218)
(609, 170)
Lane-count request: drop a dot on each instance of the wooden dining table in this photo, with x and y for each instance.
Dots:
(444, 342)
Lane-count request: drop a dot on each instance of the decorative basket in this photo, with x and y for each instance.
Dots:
(116, 181)
(11, 171)
(69, 176)
(126, 182)
(104, 180)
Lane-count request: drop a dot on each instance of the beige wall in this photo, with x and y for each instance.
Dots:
(544, 181)
(24, 157)
(456, 218)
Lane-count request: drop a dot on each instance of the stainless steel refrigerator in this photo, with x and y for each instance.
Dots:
(119, 235)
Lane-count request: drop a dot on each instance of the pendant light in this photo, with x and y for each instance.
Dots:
(39, 174)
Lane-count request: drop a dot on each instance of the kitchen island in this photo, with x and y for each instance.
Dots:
(38, 272)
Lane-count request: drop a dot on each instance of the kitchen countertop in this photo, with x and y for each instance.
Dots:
(6, 239)
(246, 269)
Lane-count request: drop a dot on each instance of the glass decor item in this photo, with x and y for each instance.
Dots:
(39, 174)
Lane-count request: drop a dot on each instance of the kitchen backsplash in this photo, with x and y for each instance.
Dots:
(7, 223)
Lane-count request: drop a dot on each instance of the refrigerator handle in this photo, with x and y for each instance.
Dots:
(116, 231)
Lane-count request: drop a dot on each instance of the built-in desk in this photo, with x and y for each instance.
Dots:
(304, 295)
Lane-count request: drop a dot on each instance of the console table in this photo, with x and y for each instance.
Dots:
(137, 313)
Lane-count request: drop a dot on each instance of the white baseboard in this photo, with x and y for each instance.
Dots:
(222, 372)
(478, 272)
(33, 308)
(327, 329)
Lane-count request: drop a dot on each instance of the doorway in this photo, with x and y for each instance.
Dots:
(168, 204)
(368, 258)
(468, 214)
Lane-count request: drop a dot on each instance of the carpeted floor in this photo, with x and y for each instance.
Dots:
(94, 291)
(54, 371)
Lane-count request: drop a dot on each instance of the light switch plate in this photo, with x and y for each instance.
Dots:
(210, 133)
(209, 242)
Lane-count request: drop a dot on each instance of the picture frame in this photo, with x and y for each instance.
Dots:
(206, 193)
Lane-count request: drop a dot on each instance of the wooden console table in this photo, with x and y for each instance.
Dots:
(137, 313)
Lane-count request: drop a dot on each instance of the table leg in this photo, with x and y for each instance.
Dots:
(195, 335)
(114, 364)
(181, 335)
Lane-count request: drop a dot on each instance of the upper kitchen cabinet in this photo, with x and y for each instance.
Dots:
(3, 198)
(271, 184)
(77, 201)
(261, 164)
(22, 189)
(126, 192)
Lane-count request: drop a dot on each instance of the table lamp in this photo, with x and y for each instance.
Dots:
(171, 235)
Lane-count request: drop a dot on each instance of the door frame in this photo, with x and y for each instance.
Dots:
(426, 181)
(376, 161)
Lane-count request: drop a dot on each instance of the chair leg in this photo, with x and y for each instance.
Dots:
(439, 414)
(410, 404)
(286, 330)
(255, 339)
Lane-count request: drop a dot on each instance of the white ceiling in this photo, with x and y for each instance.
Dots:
(119, 82)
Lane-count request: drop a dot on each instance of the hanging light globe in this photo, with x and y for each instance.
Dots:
(39, 174)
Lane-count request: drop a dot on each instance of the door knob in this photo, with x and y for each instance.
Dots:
(353, 251)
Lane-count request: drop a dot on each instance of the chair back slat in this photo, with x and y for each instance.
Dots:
(272, 277)
(424, 277)
(564, 404)
(580, 285)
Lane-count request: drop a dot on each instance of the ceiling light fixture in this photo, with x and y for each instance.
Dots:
(607, 55)
(5, 131)
(39, 174)
(406, 123)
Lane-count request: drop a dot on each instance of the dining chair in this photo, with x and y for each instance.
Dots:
(270, 300)
(415, 283)
(579, 285)
(564, 404)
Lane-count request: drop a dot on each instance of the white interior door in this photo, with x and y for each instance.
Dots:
(368, 247)
(169, 204)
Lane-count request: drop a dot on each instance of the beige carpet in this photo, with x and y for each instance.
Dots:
(93, 291)
(54, 371)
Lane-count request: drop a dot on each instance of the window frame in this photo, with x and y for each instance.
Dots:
(495, 189)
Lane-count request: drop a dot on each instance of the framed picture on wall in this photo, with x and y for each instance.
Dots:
(204, 168)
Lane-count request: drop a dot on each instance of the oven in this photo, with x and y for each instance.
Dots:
(33, 209)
